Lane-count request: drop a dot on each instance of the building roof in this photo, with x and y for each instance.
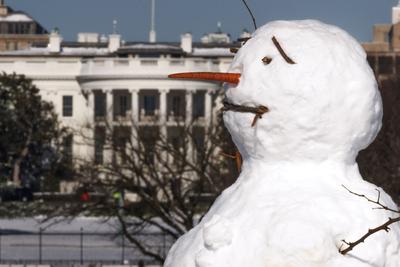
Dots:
(150, 49)
(12, 16)
(130, 48)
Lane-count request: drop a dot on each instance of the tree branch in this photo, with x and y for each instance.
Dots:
(383, 227)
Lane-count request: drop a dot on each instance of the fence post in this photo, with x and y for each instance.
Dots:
(0, 245)
(81, 245)
(123, 248)
(164, 245)
(40, 245)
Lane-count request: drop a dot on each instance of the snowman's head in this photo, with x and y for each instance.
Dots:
(326, 106)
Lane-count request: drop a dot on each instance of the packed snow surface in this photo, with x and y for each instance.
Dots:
(288, 208)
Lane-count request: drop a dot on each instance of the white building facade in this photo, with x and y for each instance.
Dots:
(98, 81)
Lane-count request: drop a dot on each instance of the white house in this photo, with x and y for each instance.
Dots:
(95, 80)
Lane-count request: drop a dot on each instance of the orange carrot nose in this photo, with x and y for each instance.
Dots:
(208, 76)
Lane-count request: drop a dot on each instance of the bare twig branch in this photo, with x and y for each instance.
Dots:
(377, 202)
(234, 50)
(259, 111)
(237, 157)
(383, 227)
(281, 51)
(244, 40)
(251, 14)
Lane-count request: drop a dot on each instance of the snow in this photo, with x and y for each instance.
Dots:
(288, 207)
(215, 51)
(16, 18)
(84, 51)
(150, 46)
(61, 241)
(66, 51)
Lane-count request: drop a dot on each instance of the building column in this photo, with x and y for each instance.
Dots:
(188, 122)
(189, 107)
(109, 106)
(163, 106)
(108, 151)
(134, 116)
(134, 105)
(208, 107)
(90, 105)
(89, 134)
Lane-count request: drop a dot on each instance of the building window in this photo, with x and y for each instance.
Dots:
(121, 141)
(99, 142)
(385, 65)
(176, 104)
(68, 148)
(198, 104)
(199, 134)
(67, 106)
(121, 104)
(148, 136)
(149, 105)
(177, 143)
(99, 104)
(397, 65)
(371, 61)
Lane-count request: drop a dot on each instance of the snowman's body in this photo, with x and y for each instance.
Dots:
(289, 208)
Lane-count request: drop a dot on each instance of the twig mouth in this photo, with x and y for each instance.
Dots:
(258, 111)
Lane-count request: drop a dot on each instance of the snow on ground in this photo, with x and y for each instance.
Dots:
(20, 241)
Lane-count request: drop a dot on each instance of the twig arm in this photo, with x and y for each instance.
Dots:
(383, 227)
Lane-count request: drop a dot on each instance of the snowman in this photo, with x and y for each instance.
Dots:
(300, 102)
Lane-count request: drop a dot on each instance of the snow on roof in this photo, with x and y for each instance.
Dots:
(28, 52)
(216, 51)
(150, 46)
(84, 51)
(18, 17)
(66, 51)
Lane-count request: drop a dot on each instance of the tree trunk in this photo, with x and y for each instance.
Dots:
(17, 164)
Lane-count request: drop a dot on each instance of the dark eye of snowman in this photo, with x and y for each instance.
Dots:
(266, 60)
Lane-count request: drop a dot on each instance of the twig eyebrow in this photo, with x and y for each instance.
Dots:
(282, 52)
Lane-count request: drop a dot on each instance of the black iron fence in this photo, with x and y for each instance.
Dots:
(80, 247)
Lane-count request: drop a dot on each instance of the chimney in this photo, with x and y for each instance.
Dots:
(152, 34)
(186, 42)
(3, 8)
(55, 41)
(396, 14)
(114, 42)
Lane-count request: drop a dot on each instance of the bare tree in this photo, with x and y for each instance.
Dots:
(379, 163)
(153, 179)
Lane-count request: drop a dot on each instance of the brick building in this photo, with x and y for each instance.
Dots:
(18, 30)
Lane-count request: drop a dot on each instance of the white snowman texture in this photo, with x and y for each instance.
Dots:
(288, 208)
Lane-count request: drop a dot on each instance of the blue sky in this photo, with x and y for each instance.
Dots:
(199, 16)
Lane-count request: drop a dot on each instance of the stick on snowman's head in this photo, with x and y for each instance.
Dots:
(321, 94)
